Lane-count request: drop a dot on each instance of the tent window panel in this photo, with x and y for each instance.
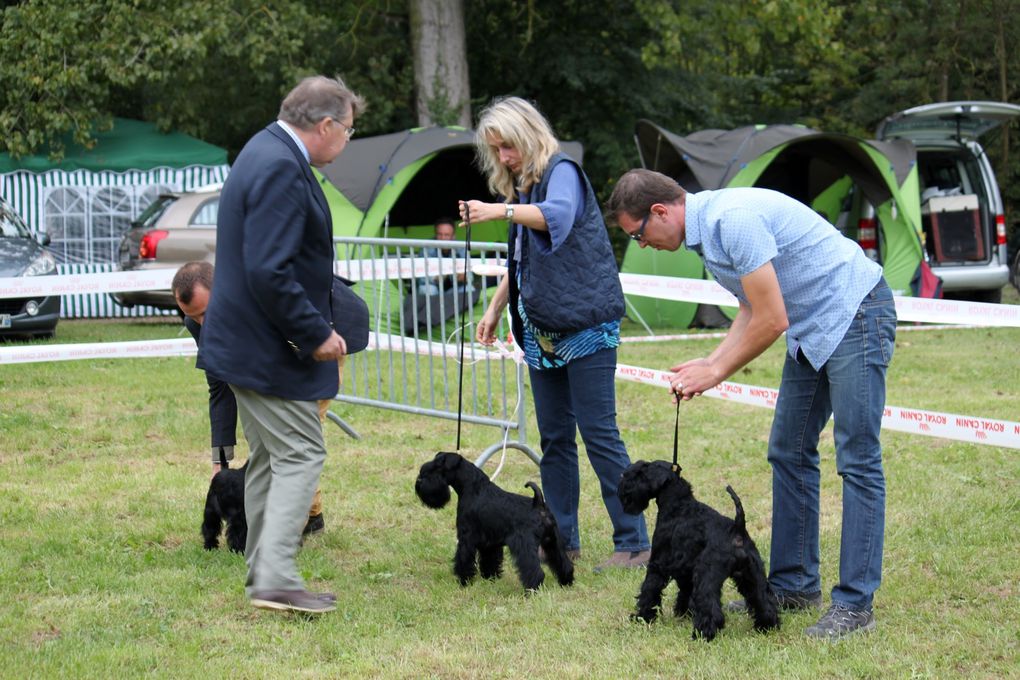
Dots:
(65, 217)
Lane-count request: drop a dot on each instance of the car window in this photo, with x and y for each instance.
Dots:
(205, 216)
(11, 224)
(155, 210)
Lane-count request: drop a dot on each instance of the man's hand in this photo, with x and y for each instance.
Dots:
(332, 349)
(693, 377)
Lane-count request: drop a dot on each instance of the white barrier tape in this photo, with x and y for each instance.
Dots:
(674, 288)
(98, 350)
(646, 285)
(160, 279)
(907, 308)
(79, 284)
(914, 421)
(186, 347)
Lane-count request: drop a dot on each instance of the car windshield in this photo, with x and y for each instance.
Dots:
(11, 224)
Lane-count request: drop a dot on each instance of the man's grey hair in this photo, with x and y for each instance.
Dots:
(318, 97)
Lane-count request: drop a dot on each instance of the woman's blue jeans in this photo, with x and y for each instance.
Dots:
(582, 396)
(851, 388)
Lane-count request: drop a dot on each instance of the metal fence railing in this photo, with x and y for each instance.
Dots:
(421, 295)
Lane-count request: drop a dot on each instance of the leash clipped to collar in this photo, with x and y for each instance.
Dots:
(676, 436)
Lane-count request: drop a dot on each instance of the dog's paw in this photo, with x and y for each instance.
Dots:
(643, 618)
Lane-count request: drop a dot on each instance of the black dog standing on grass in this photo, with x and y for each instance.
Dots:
(489, 518)
(699, 549)
(225, 503)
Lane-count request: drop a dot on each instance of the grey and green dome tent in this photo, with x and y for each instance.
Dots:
(399, 184)
(822, 170)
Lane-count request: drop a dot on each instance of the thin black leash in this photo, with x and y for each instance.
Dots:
(676, 436)
(460, 305)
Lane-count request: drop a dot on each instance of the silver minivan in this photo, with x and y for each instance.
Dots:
(962, 213)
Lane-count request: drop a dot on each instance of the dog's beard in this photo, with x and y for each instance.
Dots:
(433, 492)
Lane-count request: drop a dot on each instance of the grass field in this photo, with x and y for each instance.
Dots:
(103, 473)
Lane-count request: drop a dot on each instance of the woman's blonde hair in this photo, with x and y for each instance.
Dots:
(519, 124)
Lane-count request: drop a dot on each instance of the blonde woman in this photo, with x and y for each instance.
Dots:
(565, 300)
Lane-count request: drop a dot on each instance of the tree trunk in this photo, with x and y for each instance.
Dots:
(442, 93)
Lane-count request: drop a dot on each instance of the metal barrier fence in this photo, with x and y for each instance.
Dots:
(421, 295)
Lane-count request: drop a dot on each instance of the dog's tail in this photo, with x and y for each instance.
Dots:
(539, 500)
(738, 519)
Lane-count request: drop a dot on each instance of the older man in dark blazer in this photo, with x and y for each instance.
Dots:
(268, 331)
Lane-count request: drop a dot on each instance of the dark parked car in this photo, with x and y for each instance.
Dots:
(176, 228)
(23, 255)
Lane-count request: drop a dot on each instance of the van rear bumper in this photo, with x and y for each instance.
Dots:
(972, 277)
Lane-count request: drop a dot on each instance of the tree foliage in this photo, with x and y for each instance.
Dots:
(218, 68)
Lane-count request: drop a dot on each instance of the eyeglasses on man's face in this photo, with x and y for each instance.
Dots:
(639, 233)
(348, 130)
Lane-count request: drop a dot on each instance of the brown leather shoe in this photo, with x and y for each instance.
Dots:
(625, 560)
(292, 600)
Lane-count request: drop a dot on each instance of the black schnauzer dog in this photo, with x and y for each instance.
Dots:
(699, 549)
(489, 518)
(225, 503)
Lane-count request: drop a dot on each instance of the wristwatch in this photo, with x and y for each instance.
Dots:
(509, 211)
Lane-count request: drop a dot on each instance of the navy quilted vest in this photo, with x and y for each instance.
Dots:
(575, 287)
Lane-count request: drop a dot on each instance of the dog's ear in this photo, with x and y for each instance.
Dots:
(450, 460)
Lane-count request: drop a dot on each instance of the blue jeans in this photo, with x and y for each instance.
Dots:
(851, 388)
(582, 395)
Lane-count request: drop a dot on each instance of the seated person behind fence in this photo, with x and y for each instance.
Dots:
(434, 285)
(191, 286)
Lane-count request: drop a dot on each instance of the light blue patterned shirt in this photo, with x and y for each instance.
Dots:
(823, 275)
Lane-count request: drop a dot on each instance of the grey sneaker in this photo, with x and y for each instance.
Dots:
(787, 602)
(841, 621)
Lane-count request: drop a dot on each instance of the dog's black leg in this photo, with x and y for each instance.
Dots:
(490, 561)
(682, 607)
(649, 599)
(556, 557)
(211, 522)
(706, 598)
(524, 551)
(464, 561)
(752, 584)
(237, 532)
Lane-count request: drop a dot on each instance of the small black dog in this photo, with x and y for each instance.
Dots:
(225, 503)
(698, 548)
(489, 518)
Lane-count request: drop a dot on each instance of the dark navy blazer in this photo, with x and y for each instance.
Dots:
(269, 308)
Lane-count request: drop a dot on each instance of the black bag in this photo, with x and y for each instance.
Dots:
(350, 314)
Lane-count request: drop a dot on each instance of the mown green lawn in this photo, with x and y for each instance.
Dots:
(103, 473)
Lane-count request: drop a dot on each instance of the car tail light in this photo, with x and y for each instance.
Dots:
(867, 237)
(1000, 229)
(147, 248)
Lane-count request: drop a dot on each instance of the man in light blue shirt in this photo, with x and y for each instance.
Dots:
(792, 272)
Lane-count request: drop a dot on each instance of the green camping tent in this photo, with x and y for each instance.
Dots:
(833, 173)
(397, 185)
